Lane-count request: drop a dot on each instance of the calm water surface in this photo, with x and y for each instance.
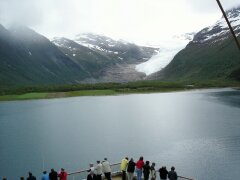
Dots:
(197, 131)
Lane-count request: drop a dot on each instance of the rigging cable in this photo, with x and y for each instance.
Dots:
(229, 25)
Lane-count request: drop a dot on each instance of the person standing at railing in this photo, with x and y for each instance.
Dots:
(91, 176)
(153, 172)
(163, 173)
(31, 177)
(45, 176)
(62, 175)
(106, 169)
(98, 170)
(139, 166)
(146, 170)
(91, 169)
(53, 175)
(172, 175)
(130, 169)
(124, 165)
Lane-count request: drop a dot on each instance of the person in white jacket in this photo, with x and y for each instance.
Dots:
(153, 172)
(98, 170)
(106, 168)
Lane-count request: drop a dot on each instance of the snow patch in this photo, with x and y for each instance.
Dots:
(84, 43)
(214, 35)
(222, 24)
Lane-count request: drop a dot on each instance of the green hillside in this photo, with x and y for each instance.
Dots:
(201, 63)
(28, 58)
(212, 55)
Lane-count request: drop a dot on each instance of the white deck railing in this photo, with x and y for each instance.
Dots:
(82, 174)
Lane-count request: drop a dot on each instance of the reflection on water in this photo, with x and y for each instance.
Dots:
(196, 131)
(229, 96)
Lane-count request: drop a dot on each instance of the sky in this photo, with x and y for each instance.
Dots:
(139, 21)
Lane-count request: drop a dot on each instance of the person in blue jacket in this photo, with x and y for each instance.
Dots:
(45, 176)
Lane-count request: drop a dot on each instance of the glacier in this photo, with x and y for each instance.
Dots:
(167, 50)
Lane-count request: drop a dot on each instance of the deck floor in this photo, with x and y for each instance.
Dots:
(117, 178)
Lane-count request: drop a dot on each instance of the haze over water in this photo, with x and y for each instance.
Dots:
(196, 131)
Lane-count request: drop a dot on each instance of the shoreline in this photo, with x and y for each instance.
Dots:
(103, 92)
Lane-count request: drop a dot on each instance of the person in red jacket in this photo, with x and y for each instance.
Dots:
(62, 175)
(139, 166)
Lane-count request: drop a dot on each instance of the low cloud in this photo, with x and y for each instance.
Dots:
(133, 20)
(210, 6)
(22, 12)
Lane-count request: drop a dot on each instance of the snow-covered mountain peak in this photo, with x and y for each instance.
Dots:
(63, 42)
(234, 12)
(220, 30)
(59, 41)
(94, 41)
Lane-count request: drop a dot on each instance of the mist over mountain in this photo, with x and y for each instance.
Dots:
(28, 58)
(211, 55)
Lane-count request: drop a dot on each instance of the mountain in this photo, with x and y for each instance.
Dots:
(28, 58)
(211, 55)
(123, 51)
(105, 59)
(91, 61)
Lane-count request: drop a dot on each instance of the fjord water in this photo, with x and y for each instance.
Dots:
(196, 131)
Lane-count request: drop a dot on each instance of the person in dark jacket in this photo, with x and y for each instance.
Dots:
(130, 169)
(172, 175)
(92, 176)
(163, 173)
(31, 177)
(53, 175)
(146, 170)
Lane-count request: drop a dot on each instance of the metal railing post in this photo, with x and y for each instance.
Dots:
(228, 23)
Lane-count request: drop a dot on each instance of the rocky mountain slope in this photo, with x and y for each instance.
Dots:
(121, 50)
(212, 54)
(104, 58)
